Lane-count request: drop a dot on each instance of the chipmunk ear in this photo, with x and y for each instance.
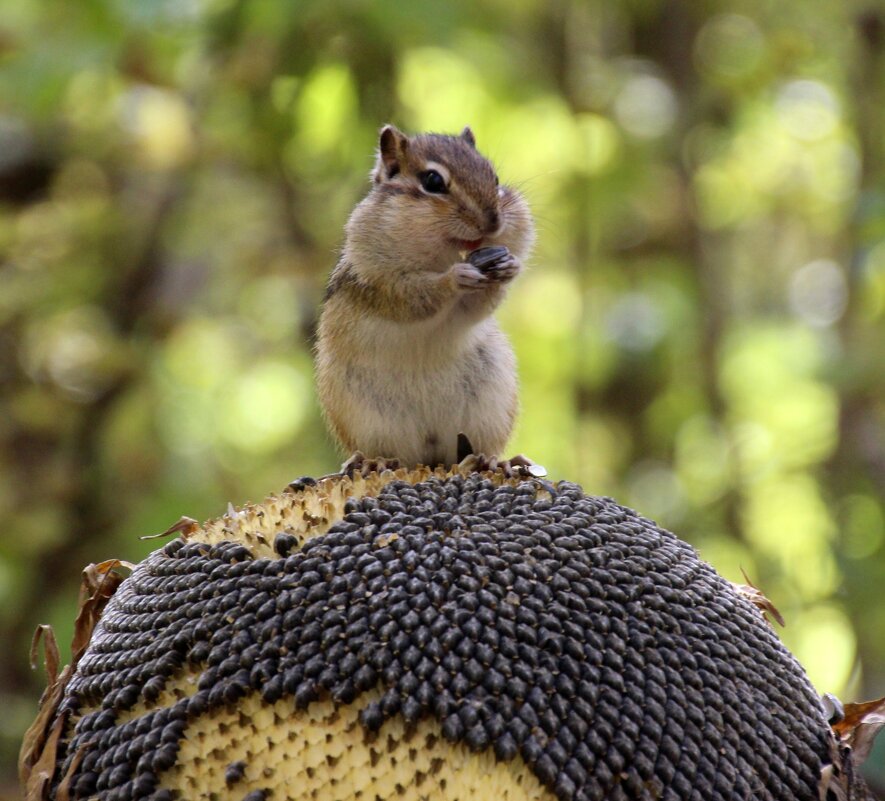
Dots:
(393, 145)
(467, 136)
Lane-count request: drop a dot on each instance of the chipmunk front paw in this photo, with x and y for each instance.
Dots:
(485, 267)
(469, 277)
(495, 262)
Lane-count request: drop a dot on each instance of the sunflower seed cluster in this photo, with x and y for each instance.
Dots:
(531, 624)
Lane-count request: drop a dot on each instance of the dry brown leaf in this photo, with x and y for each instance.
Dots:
(38, 740)
(37, 757)
(859, 727)
(38, 782)
(758, 599)
(51, 656)
(854, 733)
(185, 525)
(64, 787)
(99, 583)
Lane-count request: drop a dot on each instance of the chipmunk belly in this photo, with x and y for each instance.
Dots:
(410, 399)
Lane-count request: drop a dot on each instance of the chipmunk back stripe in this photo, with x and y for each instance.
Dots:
(398, 189)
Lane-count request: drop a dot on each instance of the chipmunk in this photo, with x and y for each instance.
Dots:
(408, 355)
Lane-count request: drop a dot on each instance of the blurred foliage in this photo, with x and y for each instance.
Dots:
(701, 334)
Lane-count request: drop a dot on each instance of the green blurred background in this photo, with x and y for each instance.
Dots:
(701, 334)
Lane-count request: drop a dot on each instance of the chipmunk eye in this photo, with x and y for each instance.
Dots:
(433, 182)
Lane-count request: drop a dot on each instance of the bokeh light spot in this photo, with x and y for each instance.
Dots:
(807, 109)
(159, 122)
(326, 109)
(265, 407)
(729, 46)
(635, 322)
(823, 641)
(442, 90)
(819, 293)
(600, 143)
(646, 107)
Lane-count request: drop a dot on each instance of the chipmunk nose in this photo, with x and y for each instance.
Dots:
(493, 220)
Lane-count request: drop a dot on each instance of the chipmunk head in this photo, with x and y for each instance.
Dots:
(452, 190)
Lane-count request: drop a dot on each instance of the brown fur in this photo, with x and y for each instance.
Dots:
(408, 353)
